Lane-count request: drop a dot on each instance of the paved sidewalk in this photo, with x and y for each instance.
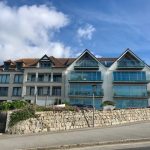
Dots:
(102, 135)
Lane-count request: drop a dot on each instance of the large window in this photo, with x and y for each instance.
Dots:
(17, 91)
(130, 90)
(56, 91)
(87, 102)
(129, 76)
(4, 78)
(85, 90)
(130, 61)
(30, 90)
(87, 61)
(45, 64)
(41, 91)
(18, 78)
(57, 77)
(85, 76)
(131, 103)
(3, 91)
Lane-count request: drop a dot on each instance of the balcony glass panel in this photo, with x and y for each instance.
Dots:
(131, 103)
(86, 102)
(85, 90)
(130, 63)
(129, 76)
(130, 91)
(85, 76)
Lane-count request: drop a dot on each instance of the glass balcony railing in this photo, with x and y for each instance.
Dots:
(85, 76)
(85, 93)
(140, 95)
(130, 64)
(136, 76)
(86, 64)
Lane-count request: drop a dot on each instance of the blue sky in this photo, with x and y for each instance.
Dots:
(106, 28)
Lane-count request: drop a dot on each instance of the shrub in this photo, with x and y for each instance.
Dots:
(67, 108)
(105, 103)
(13, 105)
(21, 115)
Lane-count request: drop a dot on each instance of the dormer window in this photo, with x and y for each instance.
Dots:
(45, 64)
(19, 65)
(6, 65)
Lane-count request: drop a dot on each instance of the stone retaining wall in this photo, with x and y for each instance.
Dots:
(65, 120)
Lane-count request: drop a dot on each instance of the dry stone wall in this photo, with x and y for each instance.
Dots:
(66, 120)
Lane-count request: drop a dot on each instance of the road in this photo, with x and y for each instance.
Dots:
(128, 146)
(89, 136)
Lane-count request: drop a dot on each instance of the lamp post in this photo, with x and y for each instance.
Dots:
(94, 91)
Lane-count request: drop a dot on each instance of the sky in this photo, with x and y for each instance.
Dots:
(65, 28)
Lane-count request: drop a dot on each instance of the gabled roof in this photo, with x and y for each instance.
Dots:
(65, 62)
(88, 52)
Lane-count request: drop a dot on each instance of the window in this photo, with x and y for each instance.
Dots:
(87, 61)
(41, 91)
(18, 78)
(17, 91)
(30, 90)
(3, 91)
(56, 91)
(41, 77)
(31, 77)
(19, 65)
(45, 64)
(57, 78)
(6, 65)
(4, 78)
(87, 102)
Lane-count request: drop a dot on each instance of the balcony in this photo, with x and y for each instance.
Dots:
(130, 64)
(85, 77)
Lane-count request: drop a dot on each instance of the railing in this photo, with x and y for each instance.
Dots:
(130, 64)
(86, 93)
(85, 76)
(135, 96)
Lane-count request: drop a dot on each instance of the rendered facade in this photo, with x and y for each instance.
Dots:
(49, 80)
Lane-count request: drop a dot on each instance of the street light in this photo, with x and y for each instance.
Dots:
(94, 91)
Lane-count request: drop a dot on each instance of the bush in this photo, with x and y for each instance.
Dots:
(105, 103)
(21, 115)
(67, 108)
(13, 105)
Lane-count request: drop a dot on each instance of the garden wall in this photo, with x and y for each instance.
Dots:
(66, 120)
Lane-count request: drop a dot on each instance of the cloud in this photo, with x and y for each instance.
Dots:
(86, 32)
(28, 31)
